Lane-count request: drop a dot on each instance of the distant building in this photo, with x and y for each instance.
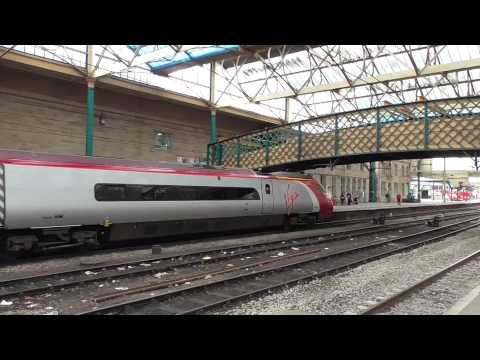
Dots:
(393, 177)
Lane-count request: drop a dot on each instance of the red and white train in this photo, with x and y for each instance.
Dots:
(54, 200)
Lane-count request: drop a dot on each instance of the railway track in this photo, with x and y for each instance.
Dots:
(405, 294)
(86, 274)
(205, 290)
(419, 211)
(306, 247)
(78, 252)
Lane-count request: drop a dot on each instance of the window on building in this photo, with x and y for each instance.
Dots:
(128, 192)
(388, 169)
(162, 141)
(323, 181)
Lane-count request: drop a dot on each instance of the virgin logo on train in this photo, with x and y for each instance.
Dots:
(290, 199)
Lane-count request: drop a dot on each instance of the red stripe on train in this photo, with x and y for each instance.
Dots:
(132, 169)
(326, 206)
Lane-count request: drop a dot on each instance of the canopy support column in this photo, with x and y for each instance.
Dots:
(213, 115)
(372, 183)
(90, 103)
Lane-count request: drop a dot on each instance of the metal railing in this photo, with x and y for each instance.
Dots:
(447, 124)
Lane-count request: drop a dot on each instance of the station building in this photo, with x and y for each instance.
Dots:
(43, 109)
(393, 177)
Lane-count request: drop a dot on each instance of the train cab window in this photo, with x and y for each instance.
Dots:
(267, 189)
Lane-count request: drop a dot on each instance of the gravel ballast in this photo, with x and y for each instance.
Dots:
(439, 297)
(354, 291)
(28, 268)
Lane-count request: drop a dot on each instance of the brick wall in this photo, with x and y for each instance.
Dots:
(45, 114)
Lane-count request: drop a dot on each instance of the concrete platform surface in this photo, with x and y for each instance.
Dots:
(468, 305)
(370, 206)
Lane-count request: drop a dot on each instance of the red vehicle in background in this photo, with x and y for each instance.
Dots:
(459, 195)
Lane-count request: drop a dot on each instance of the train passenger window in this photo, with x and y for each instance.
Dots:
(166, 193)
(133, 192)
(188, 194)
(252, 194)
(130, 192)
(109, 192)
(267, 189)
(148, 192)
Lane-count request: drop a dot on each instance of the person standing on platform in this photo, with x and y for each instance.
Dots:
(342, 198)
(349, 199)
(387, 195)
(399, 199)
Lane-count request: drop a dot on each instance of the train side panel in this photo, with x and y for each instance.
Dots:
(2, 196)
(292, 197)
(40, 196)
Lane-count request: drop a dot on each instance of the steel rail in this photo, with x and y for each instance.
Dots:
(297, 235)
(49, 285)
(427, 211)
(240, 250)
(408, 292)
(320, 225)
(313, 258)
(332, 271)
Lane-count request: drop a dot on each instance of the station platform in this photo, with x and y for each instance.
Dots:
(392, 205)
(468, 305)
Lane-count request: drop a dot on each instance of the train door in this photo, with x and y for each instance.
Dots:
(267, 197)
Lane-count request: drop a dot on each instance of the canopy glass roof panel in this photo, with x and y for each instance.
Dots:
(318, 79)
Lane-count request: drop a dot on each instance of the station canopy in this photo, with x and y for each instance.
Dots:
(318, 79)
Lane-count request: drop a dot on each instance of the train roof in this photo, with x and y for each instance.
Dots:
(288, 174)
(32, 158)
